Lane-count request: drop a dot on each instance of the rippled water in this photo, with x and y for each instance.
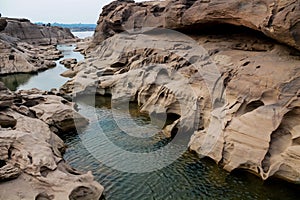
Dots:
(187, 178)
(50, 78)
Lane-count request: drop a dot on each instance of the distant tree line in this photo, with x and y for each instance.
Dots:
(73, 27)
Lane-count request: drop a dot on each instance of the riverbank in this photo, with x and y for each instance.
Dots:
(28, 48)
(230, 86)
(31, 161)
(32, 164)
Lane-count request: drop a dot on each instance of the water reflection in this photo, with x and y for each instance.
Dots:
(47, 79)
(187, 178)
(15, 80)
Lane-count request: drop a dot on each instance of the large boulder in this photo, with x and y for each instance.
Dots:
(55, 111)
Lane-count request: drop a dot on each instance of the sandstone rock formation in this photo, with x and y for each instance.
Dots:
(276, 19)
(234, 89)
(68, 62)
(26, 47)
(31, 162)
(36, 34)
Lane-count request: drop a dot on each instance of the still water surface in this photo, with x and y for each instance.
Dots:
(187, 178)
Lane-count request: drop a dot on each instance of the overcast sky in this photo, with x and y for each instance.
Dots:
(62, 11)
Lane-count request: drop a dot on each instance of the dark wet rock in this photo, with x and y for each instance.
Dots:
(7, 121)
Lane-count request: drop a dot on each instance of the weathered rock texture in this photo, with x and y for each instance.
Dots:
(3, 24)
(35, 34)
(31, 162)
(276, 19)
(26, 47)
(238, 93)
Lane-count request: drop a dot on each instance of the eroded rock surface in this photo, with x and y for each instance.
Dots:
(235, 89)
(31, 162)
(276, 19)
(26, 47)
(35, 34)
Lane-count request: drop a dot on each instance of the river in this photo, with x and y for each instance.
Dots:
(187, 178)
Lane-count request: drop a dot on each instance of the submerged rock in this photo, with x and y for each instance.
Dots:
(31, 161)
(233, 89)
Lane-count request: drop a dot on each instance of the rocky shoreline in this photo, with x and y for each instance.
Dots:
(26, 47)
(247, 117)
(31, 153)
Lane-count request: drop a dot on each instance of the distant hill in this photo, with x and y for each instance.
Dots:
(72, 27)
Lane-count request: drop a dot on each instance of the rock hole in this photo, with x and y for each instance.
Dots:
(171, 117)
(296, 141)
(281, 138)
(44, 196)
(246, 63)
(44, 171)
(217, 28)
(81, 192)
(258, 170)
(253, 105)
(2, 163)
(174, 132)
(30, 158)
(11, 57)
(64, 101)
(31, 103)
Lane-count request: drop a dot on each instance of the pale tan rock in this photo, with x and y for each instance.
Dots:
(246, 127)
(40, 169)
(276, 19)
(31, 161)
(53, 110)
(35, 34)
(69, 73)
(26, 47)
(68, 62)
